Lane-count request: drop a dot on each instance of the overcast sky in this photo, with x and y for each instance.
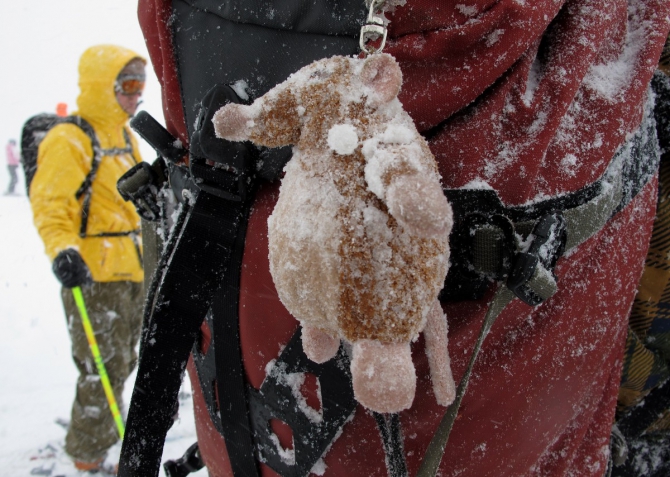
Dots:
(41, 42)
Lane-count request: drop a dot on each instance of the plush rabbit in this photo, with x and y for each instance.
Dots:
(359, 237)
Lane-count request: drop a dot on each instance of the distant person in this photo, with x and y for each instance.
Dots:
(93, 237)
(12, 165)
(61, 110)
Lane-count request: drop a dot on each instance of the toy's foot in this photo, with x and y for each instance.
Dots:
(383, 375)
(435, 334)
(318, 345)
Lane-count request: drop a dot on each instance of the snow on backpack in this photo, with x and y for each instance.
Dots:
(198, 276)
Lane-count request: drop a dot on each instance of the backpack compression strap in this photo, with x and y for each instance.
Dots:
(205, 246)
(530, 276)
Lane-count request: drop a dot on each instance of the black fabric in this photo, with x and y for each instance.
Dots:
(33, 132)
(197, 260)
(325, 17)
(234, 414)
(639, 418)
(391, 434)
(258, 43)
(648, 456)
(70, 269)
(661, 86)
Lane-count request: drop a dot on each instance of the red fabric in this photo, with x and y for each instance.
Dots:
(533, 98)
(154, 18)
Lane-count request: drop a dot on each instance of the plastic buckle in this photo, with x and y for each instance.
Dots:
(548, 245)
(219, 167)
(139, 185)
(225, 183)
(502, 241)
(190, 462)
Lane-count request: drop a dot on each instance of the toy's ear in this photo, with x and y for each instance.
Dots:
(382, 73)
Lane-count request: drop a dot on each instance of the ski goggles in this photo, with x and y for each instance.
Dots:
(130, 84)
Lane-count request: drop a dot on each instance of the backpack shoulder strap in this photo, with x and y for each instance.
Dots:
(85, 187)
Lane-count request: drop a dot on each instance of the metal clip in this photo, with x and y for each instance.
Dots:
(374, 28)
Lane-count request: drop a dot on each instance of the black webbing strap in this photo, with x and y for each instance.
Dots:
(98, 153)
(190, 273)
(391, 433)
(231, 382)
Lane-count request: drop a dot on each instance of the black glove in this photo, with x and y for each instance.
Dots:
(70, 269)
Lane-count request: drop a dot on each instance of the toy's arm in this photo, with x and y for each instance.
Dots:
(401, 176)
(271, 121)
(418, 203)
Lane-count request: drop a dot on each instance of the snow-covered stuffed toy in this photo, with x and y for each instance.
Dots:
(359, 236)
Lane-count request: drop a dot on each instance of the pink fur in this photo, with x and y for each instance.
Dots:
(384, 75)
(319, 346)
(419, 204)
(358, 240)
(383, 375)
(231, 122)
(435, 334)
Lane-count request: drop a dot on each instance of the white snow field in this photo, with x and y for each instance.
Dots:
(41, 41)
(36, 371)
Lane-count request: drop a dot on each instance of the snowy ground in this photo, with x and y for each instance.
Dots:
(37, 374)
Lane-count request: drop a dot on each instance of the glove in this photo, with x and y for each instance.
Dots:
(70, 269)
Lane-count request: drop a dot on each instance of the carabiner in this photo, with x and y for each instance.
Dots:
(374, 28)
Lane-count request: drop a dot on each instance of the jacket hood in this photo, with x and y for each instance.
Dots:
(98, 68)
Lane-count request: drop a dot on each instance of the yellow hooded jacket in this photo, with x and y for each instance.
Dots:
(64, 159)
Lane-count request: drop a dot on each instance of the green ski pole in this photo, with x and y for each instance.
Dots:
(100, 365)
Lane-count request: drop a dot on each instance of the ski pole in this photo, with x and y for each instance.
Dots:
(100, 365)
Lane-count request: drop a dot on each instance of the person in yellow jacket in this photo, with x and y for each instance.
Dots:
(92, 237)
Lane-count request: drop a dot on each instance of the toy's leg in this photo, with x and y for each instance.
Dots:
(383, 375)
(318, 345)
(435, 334)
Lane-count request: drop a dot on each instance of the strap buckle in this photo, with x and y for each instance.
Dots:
(140, 185)
(219, 180)
(219, 167)
(190, 462)
(532, 277)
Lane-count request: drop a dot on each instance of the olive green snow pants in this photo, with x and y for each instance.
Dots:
(115, 312)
